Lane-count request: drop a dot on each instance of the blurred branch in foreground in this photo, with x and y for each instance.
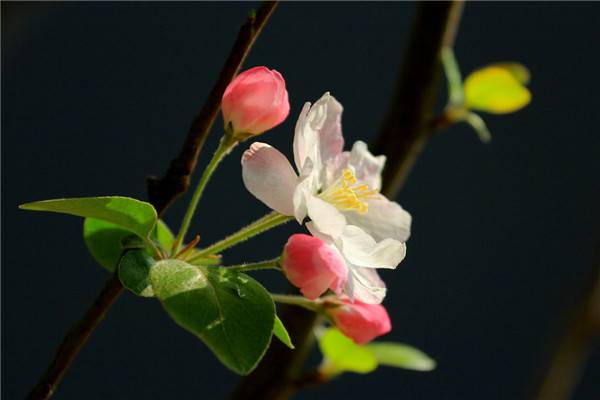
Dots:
(403, 134)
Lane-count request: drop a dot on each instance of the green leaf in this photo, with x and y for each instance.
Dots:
(519, 71)
(478, 124)
(104, 240)
(281, 333)
(134, 272)
(497, 89)
(401, 356)
(133, 215)
(341, 354)
(231, 312)
(164, 235)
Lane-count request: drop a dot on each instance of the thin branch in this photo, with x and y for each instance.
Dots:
(162, 192)
(76, 339)
(402, 136)
(569, 356)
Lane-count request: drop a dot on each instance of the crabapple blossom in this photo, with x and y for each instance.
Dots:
(359, 321)
(254, 102)
(338, 190)
(313, 266)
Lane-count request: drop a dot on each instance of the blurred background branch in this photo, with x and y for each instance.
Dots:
(410, 114)
(575, 343)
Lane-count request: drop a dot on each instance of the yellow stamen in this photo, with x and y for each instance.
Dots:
(346, 194)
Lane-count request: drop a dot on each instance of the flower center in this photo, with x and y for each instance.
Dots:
(347, 194)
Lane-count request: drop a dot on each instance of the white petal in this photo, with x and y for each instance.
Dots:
(308, 185)
(316, 233)
(361, 249)
(365, 285)
(269, 176)
(334, 168)
(328, 123)
(385, 219)
(304, 139)
(325, 217)
(318, 133)
(367, 168)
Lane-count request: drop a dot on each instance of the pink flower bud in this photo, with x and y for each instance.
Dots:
(313, 266)
(255, 101)
(359, 321)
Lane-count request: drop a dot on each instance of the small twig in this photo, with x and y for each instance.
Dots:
(442, 121)
(162, 191)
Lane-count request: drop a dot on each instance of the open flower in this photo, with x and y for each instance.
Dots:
(334, 187)
(361, 322)
(338, 190)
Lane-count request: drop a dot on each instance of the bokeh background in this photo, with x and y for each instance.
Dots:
(97, 96)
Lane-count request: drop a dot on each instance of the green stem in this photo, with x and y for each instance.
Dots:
(455, 87)
(268, 264)
(297, 301)
(267, 222)
(225, 146)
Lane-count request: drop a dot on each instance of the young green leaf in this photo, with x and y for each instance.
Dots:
(401, 356)
(133, 215)
(134, 272)
(497, 89)
(163, 235)
(478, 124)
(281, 333)
(104, 240)
(231, 312)
(341, 354)
(519, 71)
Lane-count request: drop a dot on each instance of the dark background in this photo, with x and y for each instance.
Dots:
(97, 96)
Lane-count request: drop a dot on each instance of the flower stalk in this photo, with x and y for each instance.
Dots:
(265, 223)
(267, 264)
(299, 301)
(226, 144)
